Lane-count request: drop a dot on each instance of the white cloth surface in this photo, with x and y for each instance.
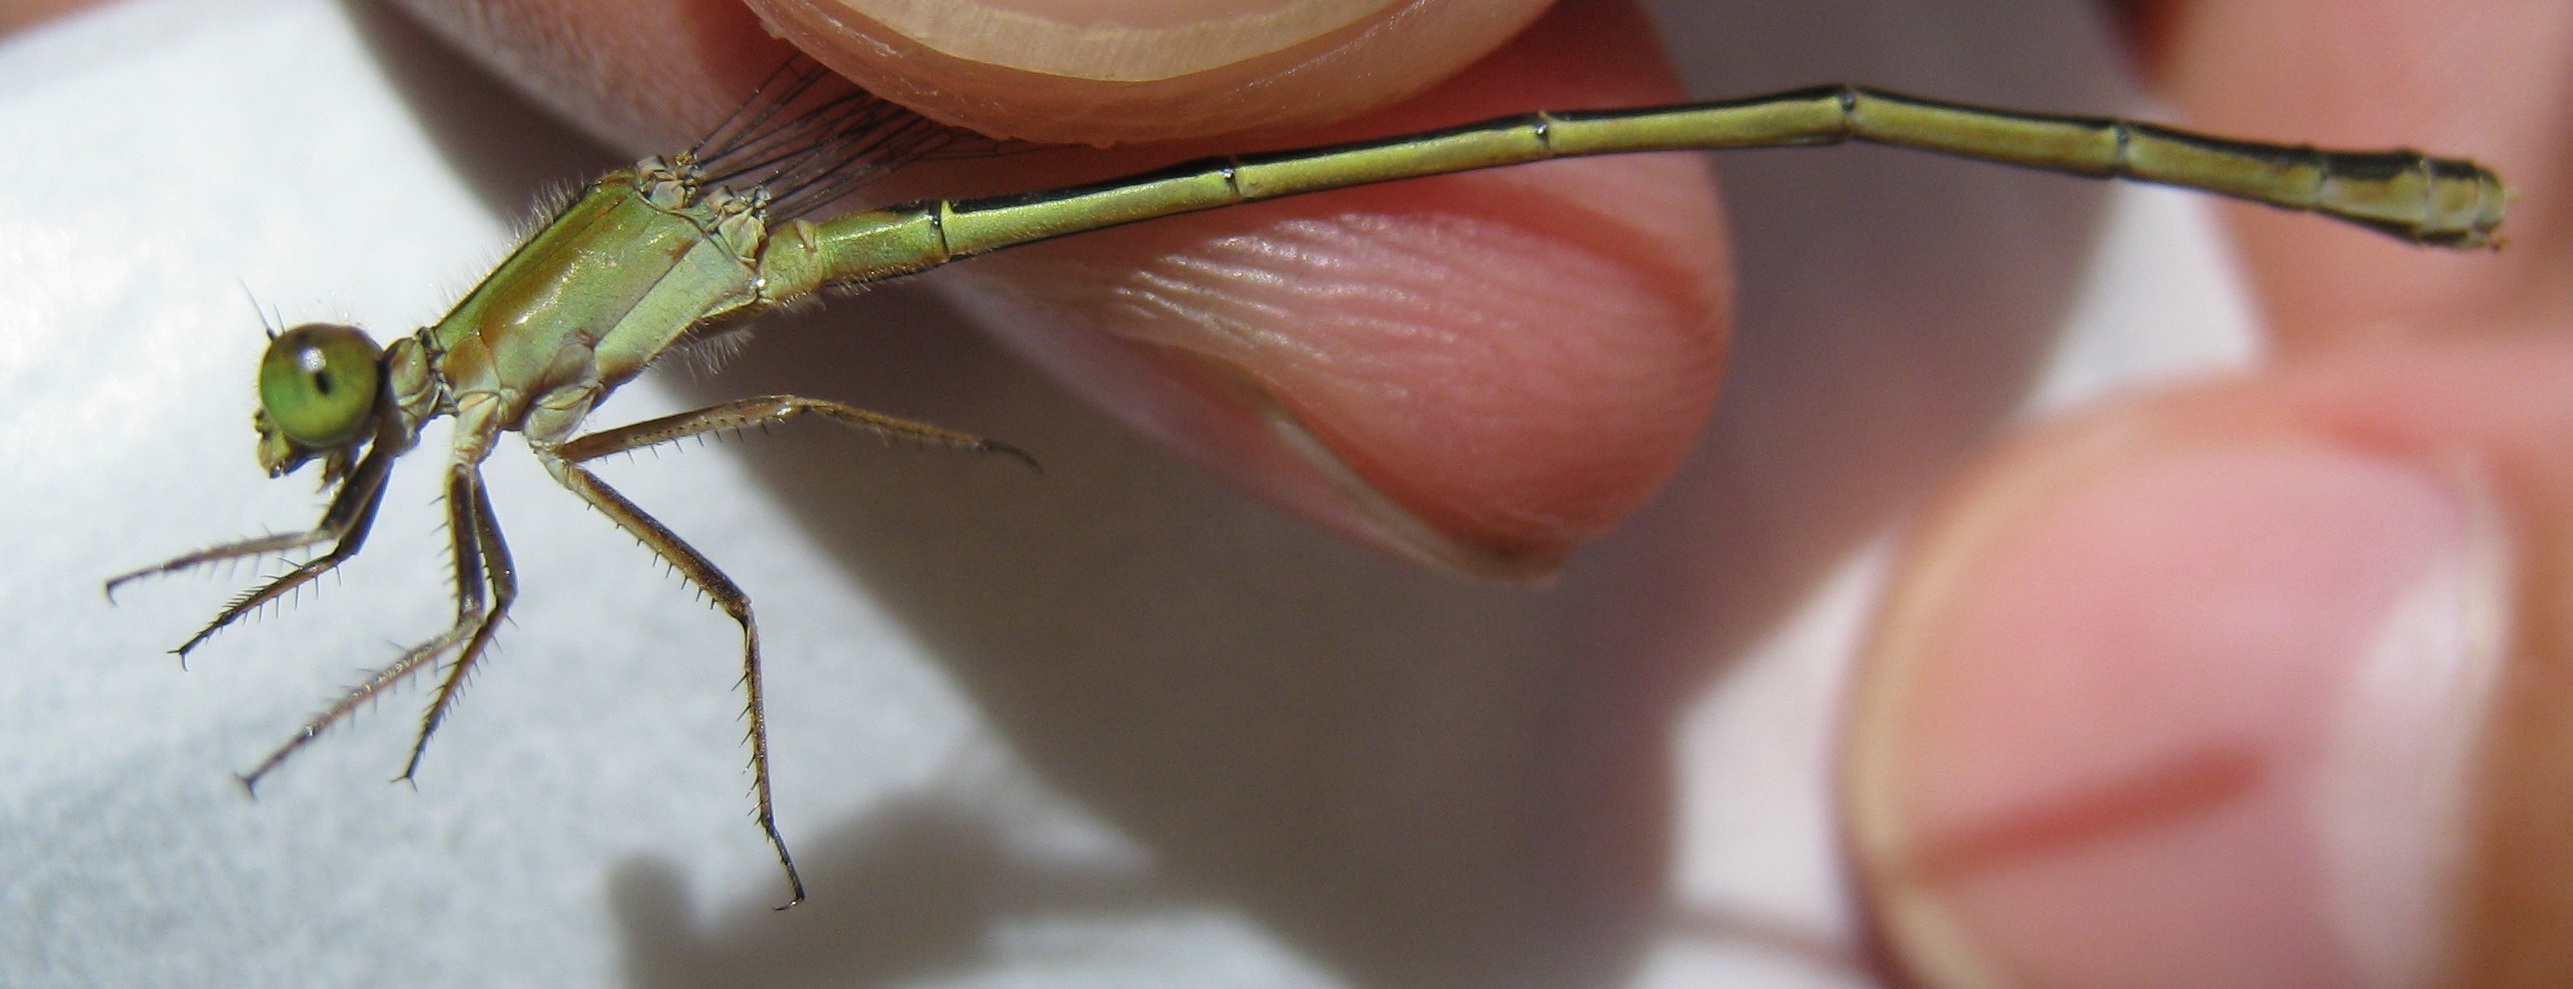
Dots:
(1108, 726)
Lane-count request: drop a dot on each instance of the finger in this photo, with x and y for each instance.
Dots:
(1477, 371)
(2262, 684)
(1095, 72)
(2487, 79)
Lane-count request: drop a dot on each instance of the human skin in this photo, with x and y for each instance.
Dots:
(2074, 757)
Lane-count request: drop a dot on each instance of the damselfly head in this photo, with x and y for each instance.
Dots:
(320, 388)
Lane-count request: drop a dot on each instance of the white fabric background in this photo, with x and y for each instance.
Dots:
(1109, 726)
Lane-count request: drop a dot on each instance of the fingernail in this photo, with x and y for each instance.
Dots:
(1112, 40)
(2199, 717)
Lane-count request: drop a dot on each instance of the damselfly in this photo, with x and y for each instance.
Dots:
(682, 248)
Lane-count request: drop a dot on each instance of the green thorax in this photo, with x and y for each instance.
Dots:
(618, 276)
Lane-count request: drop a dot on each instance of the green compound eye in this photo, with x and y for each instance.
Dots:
(318, 382)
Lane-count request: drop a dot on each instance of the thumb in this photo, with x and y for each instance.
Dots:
(2264, 684)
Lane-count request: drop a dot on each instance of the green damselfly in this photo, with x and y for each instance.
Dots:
(681, 248)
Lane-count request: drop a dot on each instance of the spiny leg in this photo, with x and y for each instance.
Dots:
(562, 461)
(350, 514)
(466, 508)
(728, 596)
(769, 409)
(479, 544)
(376, 683)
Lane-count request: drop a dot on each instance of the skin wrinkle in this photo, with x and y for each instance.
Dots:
(1154, 297)
(1317, 251)
(1322, 254)
(1193, 292)
(1250, 261)
(1504, 412)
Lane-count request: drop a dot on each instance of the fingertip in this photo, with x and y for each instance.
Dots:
(2208, 689)
(1119, 71)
